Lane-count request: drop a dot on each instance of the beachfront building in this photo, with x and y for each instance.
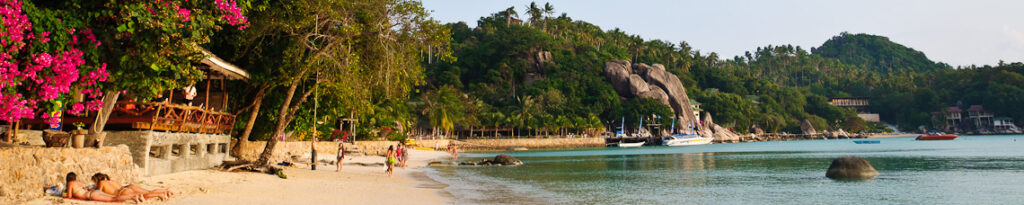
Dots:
(860, 104)
(1004, 125)
(951, 119)
(981, 119)
(167, 135)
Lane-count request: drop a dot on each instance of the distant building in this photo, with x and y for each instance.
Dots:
(696, 108)
(860, 104)
(951, 117)
(1004, 125)
(974, 119)
(981, 119)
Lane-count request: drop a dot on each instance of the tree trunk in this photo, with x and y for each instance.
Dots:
(243, 140)
(10, 132)
(282, 122)
(109, 99)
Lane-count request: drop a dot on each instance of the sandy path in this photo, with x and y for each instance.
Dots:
(355, 184)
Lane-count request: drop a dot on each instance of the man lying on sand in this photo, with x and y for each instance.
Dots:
(76, 190)
(111, 187)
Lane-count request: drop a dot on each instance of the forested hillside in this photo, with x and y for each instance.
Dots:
(502, 78)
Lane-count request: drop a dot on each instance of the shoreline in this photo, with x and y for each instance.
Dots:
(361, 181)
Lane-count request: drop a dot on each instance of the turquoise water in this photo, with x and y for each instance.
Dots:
(968, 170)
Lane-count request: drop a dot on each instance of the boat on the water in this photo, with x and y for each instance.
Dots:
(867, 141)
(932, 135)
(633, 144)
(685, 139)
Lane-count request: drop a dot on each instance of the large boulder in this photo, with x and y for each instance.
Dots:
(637, 85)
(618, 72)
(807, 128)
(679, 100)
(851, 168)
(504, 159)
(656, 93)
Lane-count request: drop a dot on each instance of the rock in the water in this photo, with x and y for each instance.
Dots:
(504, 159)
(851, 168)
(807, 128)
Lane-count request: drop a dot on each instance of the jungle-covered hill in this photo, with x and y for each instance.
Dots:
(544, 73)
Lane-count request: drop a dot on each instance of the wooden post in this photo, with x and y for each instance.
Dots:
(207, 103)
(224, 92)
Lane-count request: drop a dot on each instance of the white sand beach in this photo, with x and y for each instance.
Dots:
(355, 184)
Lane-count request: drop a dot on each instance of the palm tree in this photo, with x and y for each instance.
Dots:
(549, 9)
(508, 13)
(535, 13)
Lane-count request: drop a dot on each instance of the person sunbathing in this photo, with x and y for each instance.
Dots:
(111, 187)
(77, 190)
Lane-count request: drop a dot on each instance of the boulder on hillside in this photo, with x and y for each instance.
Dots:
(851, 168)
(679, 100)
(618, 72)
(637, 85)
(656, 93)
(807, 128)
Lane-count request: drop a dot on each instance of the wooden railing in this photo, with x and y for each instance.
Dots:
(173, 117)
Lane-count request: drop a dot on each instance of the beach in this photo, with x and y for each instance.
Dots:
(355, 184)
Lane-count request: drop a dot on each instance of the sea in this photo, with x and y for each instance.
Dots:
(985, 169)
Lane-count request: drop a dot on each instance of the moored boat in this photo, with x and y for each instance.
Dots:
(932, 135)
(685, 139)
(633, 144)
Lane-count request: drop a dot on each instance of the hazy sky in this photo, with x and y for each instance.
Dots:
(955, 32)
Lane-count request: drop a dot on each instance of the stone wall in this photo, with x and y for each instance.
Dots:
(164, 152)
(531, 143)
(25, 170)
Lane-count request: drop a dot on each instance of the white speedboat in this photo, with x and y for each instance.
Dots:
(634, 144)
(685, 139)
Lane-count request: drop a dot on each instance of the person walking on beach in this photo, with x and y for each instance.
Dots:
(405, 155)
(390, 161)
(312, 157)
(398, 154)
(341, 154)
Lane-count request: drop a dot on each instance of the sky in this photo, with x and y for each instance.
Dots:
(967, 32)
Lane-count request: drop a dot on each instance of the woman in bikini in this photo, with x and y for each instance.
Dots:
(390, 161)
(103, 183)
(77, 190)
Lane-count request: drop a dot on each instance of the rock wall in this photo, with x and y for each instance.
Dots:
(284, 150)
(531, 143)
(25, 170)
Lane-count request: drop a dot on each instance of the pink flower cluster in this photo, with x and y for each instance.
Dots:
(16, 27)
(37, 77)
(232, 13)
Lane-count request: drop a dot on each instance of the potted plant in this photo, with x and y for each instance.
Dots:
(78, 135)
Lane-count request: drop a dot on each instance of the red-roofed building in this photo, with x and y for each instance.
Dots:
(981, 119)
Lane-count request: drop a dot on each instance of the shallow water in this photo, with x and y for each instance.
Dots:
(968, 170)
